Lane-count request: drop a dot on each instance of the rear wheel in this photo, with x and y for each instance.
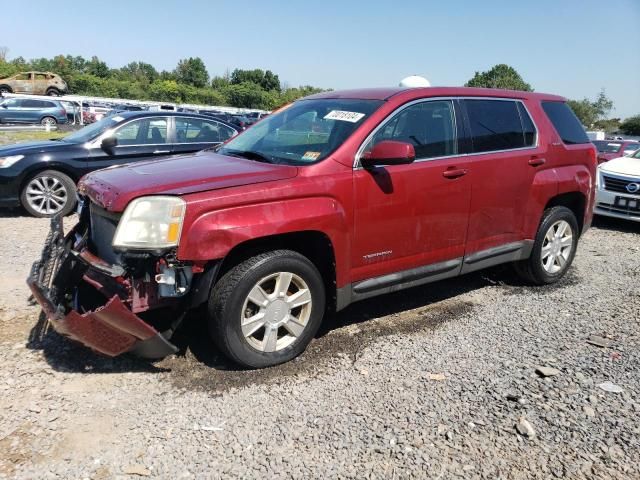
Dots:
(48, 121)
(266, 310)
(554, 248)
(53, 92)
(5, 89)
(49, 193)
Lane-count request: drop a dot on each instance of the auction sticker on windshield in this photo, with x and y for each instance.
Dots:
(352, 117)
(311, 156)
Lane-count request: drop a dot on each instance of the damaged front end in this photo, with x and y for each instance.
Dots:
(104, 304)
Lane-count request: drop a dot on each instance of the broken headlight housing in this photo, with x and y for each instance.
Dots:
(151, 223)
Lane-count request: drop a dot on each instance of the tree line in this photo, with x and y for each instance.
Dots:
(189, 82)
(594, 114)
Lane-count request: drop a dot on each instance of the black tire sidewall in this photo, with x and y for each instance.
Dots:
(553, 215)
(227, 325)
(69, 185)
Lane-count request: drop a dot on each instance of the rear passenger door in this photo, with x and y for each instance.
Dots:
(194, 134)
(504, 159)
(139, 139)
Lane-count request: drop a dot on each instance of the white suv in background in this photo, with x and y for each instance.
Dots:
(618, 192)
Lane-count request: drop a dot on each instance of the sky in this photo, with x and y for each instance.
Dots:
(572, 48)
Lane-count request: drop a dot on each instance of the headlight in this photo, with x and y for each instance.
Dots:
(6, 162)
(151, 223)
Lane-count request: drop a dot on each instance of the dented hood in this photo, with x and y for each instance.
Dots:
(113, 188)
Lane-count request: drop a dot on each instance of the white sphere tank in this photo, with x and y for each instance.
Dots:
(414, 81)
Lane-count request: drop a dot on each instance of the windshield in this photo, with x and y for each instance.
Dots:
(92, 131)
(304, 133)
(607, 147)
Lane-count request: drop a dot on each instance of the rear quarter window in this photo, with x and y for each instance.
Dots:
(565, 122)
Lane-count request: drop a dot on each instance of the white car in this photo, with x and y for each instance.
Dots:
(618, 188)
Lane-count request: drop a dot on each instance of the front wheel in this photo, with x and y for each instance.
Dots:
(267, 309)
(49, 193)
(53, 92)
(554, 248)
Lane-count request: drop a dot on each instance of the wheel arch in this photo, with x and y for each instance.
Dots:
(312, 244)
(28, 175)
(574, 201)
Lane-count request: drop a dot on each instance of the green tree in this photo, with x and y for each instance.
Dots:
(610, 125)
(248, 95)
(590, 111)
(631, 126)
(192, 71)
(140, 72)
(97, 67)
(266, 80)
(500, 76)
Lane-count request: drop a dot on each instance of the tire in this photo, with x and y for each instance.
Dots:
(5, 89)
(230, 304)
(53, 92)
(550, 259)
(48, 121)
(59, 200)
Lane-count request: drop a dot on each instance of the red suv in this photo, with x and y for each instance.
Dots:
(337, 198)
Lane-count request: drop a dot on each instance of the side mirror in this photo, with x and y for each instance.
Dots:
(108, 144)
(389, 152)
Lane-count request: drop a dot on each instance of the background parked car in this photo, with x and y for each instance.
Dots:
(610, 149)
(41, 176)
(27, 110)
(618, 192)
(36, 83)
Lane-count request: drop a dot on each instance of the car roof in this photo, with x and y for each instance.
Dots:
(411, 93)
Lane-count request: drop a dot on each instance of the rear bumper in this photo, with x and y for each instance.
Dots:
(112, 329)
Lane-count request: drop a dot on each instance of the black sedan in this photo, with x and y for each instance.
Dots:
(41, 176)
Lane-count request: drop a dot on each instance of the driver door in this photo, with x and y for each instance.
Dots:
(139, 139)
(409, 216)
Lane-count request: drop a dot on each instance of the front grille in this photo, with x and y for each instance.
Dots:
(103, 229)
(619, 185)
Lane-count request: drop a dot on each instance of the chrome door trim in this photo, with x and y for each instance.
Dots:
(356, 162)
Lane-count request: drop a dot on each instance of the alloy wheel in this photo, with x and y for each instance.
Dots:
(276, 312)
(46, 195)
(557, 246)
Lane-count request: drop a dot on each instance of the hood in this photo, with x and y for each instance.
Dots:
(113, 188)
(622, 166)
(27, 148)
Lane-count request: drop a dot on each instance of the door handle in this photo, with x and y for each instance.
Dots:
(161, 151)
(536, 162)
(454, 172)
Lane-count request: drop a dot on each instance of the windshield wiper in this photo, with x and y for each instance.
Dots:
(250, 155)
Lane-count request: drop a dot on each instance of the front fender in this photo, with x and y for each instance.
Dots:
(214, 234)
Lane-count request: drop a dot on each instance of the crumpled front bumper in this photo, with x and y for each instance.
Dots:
(112, 329)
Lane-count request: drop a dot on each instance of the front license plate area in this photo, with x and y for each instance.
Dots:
(626, 203)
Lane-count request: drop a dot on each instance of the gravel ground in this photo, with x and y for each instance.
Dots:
(438, 381)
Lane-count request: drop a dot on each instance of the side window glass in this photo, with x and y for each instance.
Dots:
(23, 76)
(528, 127)
(156, 131)
(191, 130)
(495, 125)
(128, 134)
(429, 126)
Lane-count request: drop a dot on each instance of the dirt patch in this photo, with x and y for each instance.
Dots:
(201, 367)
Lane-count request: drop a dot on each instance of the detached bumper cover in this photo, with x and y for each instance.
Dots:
(110, 330)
